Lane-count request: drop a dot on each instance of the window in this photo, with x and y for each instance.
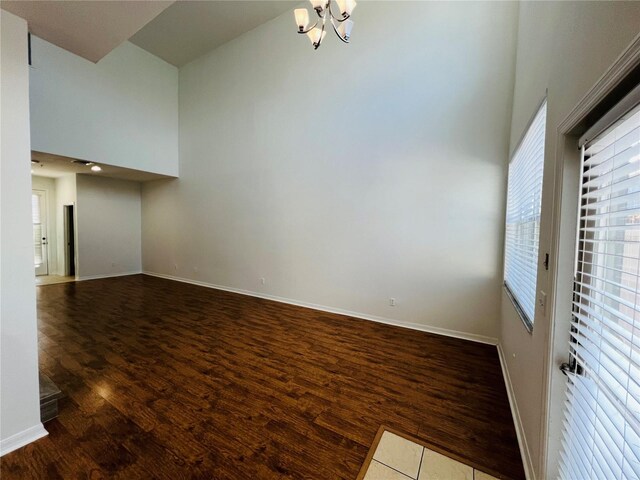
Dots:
(601, 437)
(522, 235)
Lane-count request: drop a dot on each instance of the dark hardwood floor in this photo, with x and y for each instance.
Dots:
(170, 380)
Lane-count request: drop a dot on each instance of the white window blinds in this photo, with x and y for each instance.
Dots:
(524, 196)
(601, 436)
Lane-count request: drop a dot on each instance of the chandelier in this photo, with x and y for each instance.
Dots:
(341, 23)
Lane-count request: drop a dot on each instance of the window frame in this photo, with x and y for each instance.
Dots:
(524, 317)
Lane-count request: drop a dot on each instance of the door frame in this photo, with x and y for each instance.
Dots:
(563, 248)
(69, 239)
(44, 214)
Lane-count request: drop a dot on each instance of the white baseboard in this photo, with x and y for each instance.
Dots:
(21, 439)
(106, 275)
(515, 413)
(339, 311)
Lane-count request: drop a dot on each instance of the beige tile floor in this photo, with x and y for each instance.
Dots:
(397, 458)
(51, 279)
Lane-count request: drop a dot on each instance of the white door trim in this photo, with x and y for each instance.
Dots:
(620, 69)
(44, 214)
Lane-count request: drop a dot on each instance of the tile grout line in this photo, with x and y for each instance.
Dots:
(394, 469)
(420, 465)
(435, 449)
(473, 470)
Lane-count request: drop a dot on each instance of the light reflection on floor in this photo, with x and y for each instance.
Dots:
(52, 279)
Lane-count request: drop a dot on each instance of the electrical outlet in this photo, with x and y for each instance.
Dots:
(263, 281)
(175, 266)
(392, 302)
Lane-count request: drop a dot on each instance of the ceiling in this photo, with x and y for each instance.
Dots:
(189, 29)
(55, 166)
(90, 29)
(178, 32)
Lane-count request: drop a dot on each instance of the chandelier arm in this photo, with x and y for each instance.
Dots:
(338, 33)
(320, 11)
(339, 20)
(310, 28)
(324, 21)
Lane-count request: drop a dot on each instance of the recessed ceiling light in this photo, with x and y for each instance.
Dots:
(82, 162)
(96, 168)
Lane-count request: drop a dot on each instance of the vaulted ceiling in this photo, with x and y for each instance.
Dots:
(189, 29)
(90, 29)
(177, 32)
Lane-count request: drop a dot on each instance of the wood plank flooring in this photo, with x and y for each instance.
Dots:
(170, 380)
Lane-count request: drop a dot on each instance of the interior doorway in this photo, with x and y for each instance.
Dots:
(54, 225)
(40, 233)
(69, 242)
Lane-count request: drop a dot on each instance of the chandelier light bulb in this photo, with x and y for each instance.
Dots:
(349, 6)
(345, 29)
(318, 5)
(302, 18)
(342, 5)
(316, 36)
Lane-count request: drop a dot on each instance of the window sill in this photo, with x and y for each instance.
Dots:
(528, 324)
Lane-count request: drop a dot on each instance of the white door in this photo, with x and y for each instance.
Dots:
(39, 218)
(602, 417)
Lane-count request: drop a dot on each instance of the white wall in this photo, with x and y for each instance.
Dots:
(49, 186)
(351, 174)
(108, 226)
(20, 404)
(121, 111)
(563, 47)
(65, 195)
